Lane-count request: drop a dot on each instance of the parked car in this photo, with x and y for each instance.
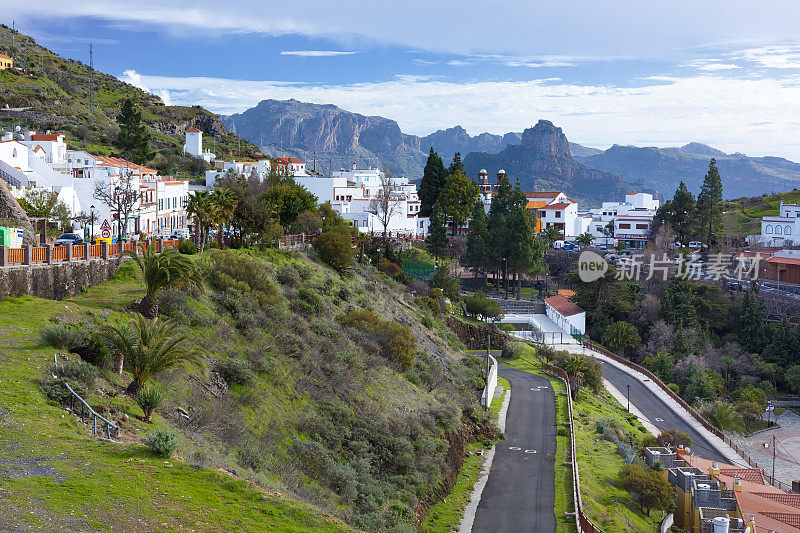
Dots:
(68, 238)
(696, 244)
(180, 233)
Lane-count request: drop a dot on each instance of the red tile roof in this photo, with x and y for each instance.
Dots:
(542, 194)
(784, 260)
(750, 474)
(560, 205)
(288, 160)
(563, 306)
(45, 137)
(193, 130)
(3, 56)
(122, 163)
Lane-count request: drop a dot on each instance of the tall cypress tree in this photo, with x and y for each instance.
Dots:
(477, 255)
(709, 201)
(133, 138)
(437, 232)
(683, 212)
(433, 179)
(456, 165)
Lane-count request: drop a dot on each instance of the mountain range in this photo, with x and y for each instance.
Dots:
(335, 138)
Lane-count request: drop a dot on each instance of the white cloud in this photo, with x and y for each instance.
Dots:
(711, 65)
(719, 110)
(316, 53)
(135, 79)
(782, 57)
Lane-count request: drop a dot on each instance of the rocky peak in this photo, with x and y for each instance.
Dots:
(546, 139)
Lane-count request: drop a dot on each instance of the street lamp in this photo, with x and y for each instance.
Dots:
(505, 263)
(91, 230)
(629, 397)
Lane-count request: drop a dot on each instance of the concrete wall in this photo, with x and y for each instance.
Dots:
(488, 390)
(55, 281)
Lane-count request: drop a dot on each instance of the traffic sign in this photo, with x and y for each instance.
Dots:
(106, 234)
(105, 225)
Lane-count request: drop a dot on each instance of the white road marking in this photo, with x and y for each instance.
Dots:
(530, 451)
(515, 448)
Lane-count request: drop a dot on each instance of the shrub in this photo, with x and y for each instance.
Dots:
(427, 322)
(150, 397)
(562, 432)
(54, 389)
(162, 442)
(304, 308)
(62, 337)
(449, 284)
(288, 275)
(481, 306)
(186, 247)
(335, 249)
(234, 371)
(311, 298)
(228, 269)
(389, 268)
(432, 304)
(174, 304)
(401, 346)
(77, 371)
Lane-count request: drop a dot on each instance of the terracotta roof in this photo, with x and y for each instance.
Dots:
(288, 160)
(566, 292)
(560, 205)
(784, 260)
(122, 163)
(563, 306)
(786, 499)
(750, 474)
(45, 137)
(3, 56)
(38, 148)
(193, 130)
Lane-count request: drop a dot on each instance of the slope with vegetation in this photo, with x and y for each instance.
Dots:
(339, 389)
(53, 93)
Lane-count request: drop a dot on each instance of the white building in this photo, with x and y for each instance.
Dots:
(781, 230)
(194, 145)
(630, 220)
(566, 314)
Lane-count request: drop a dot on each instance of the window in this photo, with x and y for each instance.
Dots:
(624, 226)
(558, 214)
(778, 230)
(641, 226)
(788, 230)
(768, 229)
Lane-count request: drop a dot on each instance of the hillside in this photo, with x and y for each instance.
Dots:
(543, 161)
(53, 93)
(300, 419)
(747, 212)
(664, 168)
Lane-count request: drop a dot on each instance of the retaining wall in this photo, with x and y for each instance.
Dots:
(55, 281)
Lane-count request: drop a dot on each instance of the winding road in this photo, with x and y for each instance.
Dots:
(655, 410)
(519, 496)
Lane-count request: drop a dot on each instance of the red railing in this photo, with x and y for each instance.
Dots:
(60, 253)
(705, 423)
(585, 525)
(113, 249)
(95, 250)
(79, 252)
(38, 255)
(16, 256)
(302, 238)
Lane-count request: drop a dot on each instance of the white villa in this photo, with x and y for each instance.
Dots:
(781, 230)
(631, 220)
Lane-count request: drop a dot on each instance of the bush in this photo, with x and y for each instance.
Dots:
(427, 322)
(481, 306)
(186, 247)
(389, 268)
(228, 269)
(442, 279)
(150, 397)
(335, 249)
(288, 275)
(234, 371)
(310, 297)
(54, 389)
(77, 371)
(562, 432)
(401, 346)
(174, 304)
(162, 442)
(62, 337)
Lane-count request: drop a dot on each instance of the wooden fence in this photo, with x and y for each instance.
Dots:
(34, 255)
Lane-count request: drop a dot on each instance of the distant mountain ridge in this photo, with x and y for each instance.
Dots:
(335, 138)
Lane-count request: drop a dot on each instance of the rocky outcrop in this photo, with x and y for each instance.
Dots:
(56, 281)
(12, 215)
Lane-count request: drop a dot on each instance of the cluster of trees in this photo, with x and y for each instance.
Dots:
(690, 217)
(506, 241)
(649, 488)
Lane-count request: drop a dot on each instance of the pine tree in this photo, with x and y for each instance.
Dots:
(456, 165)
(477, 240)
(526, 253)
(683, 213)
(433, 179)
(437, 232)
(709, 201)
(133, 138)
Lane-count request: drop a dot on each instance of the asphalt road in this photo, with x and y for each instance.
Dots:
(658, 412)
(519, 496)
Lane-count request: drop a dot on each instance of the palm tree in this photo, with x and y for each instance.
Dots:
(201, 208)
(620, 336)
(224, 203)
(147, 348)
(361, 240)
(724, 416)
(167, 269)
(551, 234)
(575, 367)
(584, 239)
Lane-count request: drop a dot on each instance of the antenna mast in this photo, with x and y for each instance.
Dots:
(91, 76)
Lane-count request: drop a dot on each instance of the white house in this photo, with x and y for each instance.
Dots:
(781, 230)
(194, 145)
(631, 219)
(566, 314)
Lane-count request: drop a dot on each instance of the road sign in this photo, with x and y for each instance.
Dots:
(106, 234)
(105, 225)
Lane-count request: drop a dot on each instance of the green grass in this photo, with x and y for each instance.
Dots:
(446, 515)
(748, 212)
(102, 485)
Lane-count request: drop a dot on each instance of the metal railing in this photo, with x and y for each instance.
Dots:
(585, 525)
(86, 407)
(705, 423)
(39, 254)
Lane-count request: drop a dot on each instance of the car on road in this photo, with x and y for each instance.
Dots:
(68, 238)
(697, 245)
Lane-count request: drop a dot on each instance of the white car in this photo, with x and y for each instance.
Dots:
(181, 233)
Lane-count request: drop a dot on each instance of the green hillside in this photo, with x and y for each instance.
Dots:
(300, 419)
(747, 212)
(53, 93)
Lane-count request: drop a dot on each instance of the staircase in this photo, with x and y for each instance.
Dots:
(522, 307)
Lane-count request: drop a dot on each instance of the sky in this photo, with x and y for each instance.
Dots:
(726, 73)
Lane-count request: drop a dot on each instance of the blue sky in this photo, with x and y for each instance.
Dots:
(666, 73)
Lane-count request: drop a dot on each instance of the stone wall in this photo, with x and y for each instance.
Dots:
(55, 281)
(11, 214)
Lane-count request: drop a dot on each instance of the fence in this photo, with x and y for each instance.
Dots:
(302, 238)
(32, 255)
(705, 423)
(585, 525)
(86, 407)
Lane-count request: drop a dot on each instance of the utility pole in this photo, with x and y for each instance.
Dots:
(315, 161)
(774, 452)
(629, 397)
(488, 351)
(91, 76)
